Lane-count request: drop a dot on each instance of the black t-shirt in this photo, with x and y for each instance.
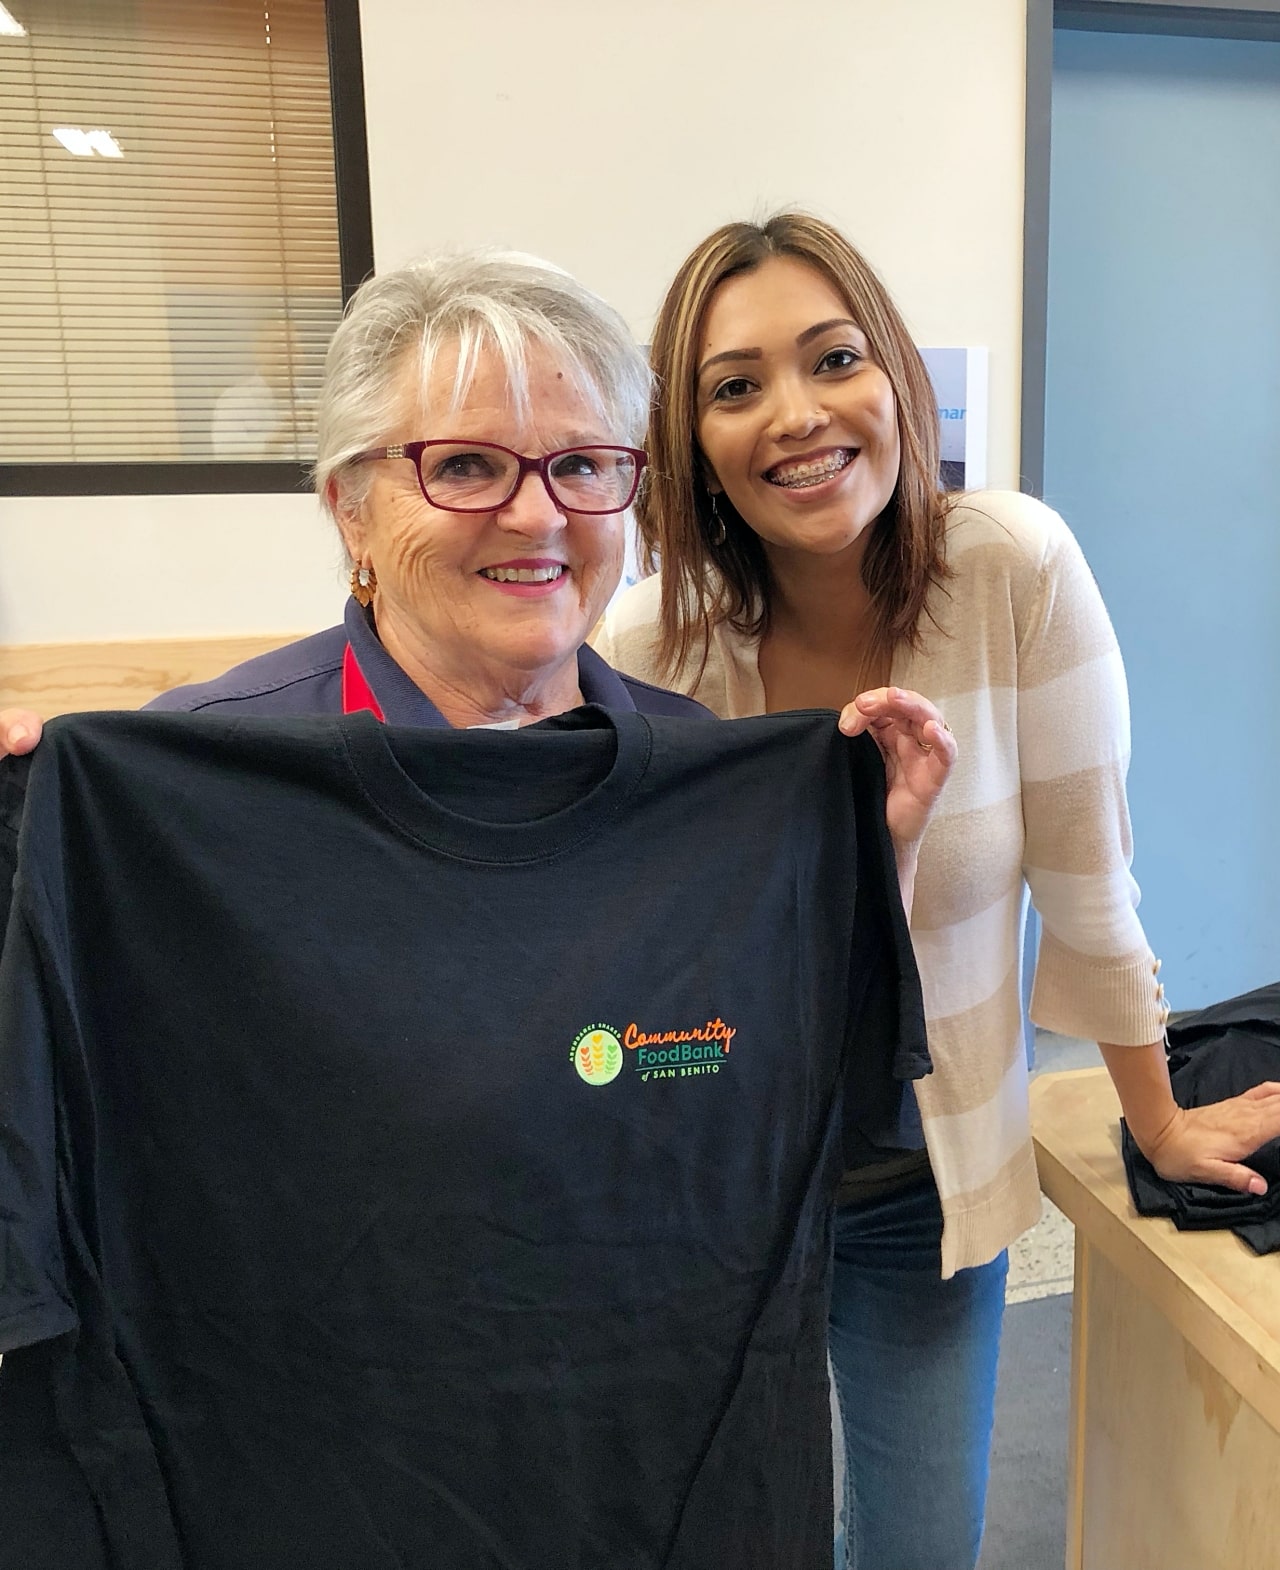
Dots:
(416, 1148)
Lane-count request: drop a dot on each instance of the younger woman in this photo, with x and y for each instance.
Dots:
(807, 553)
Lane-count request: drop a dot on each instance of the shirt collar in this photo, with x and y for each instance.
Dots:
(404, 703)
(600, 683)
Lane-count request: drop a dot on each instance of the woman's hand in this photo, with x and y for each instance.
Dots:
(1209, 1144)
(918, 752)
(19, 731)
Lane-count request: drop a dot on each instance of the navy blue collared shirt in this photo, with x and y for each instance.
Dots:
(306, 678)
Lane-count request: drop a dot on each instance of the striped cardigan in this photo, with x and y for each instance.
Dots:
(1021, 658)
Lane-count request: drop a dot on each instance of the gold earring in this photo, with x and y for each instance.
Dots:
(363, 582)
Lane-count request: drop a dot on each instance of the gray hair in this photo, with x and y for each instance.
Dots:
(500, 300)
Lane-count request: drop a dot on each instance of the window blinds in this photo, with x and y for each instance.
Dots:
(168, 230)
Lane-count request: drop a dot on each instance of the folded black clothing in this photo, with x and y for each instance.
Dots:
(1215, 1053)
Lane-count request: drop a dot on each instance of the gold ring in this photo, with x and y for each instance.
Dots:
(925, 746)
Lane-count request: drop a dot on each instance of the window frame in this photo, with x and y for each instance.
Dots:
(211, 477)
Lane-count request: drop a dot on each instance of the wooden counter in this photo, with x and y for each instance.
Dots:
(57, 678)
(1175, 1377)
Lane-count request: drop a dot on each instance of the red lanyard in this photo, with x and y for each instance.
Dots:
(357, 694)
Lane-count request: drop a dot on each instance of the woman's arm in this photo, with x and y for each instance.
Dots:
(1195, 1144)
(1096, 975)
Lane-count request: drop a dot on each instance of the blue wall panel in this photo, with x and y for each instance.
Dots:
(1163, 453)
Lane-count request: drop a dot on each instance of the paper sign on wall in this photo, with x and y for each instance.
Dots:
(959, 379)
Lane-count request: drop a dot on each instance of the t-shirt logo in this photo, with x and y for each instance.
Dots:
(598, 1051)
(597, 1054)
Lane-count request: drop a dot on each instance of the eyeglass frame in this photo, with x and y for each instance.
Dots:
(524, 465)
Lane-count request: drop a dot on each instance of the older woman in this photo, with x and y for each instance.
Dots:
(477, 435)
(808, 552)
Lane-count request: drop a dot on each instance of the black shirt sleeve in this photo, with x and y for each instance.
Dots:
(886, 1045)
(13, 795)
(34, 1301)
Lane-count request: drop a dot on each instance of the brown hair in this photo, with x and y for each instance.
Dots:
(706, 580)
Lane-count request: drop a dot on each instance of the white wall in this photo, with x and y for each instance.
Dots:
(78, 569)
(610, 138)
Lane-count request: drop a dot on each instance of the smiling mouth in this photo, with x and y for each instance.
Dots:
(523, 574)
(812, 471)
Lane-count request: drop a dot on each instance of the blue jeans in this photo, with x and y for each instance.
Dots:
(914, 1359)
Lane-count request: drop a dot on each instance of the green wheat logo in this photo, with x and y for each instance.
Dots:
(597, 1054)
